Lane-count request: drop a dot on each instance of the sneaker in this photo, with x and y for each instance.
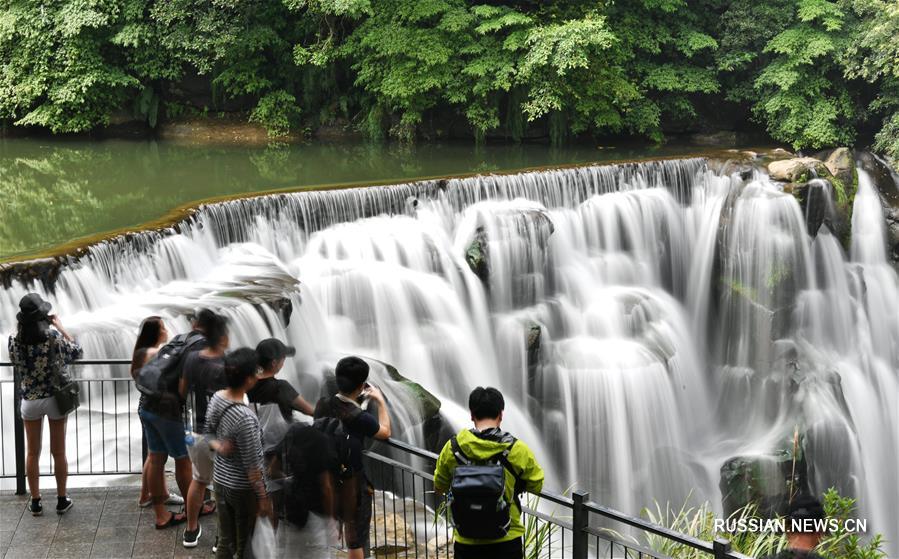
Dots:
(215, 546)
(174, 499)
(192, 537)
(36, 508)
(63, 504)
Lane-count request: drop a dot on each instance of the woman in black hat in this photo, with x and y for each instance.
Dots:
(39, 355)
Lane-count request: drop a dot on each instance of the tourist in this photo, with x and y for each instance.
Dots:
(499, 533)
(804, 510)
(354, 491)
(309, 500)
(202, 376)
(274, 401)
(269, 390)
(39, 352)
(151, 335)
(162, 418)
(239, 478)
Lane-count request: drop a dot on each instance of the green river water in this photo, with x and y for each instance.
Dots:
(58, 194)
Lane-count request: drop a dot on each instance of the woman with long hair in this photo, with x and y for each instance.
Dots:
(151, 336)
(40, 351)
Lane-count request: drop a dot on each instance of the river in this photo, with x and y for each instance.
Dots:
(59, 194)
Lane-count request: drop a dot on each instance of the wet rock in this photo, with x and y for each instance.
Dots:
(892, 217)
(41, 270)
(767, 480)
(411, 206)
(798, 169)
(476, 256)
(781, 152)
(428, 404)
(841, 165)
(534, 333)
(813, 199)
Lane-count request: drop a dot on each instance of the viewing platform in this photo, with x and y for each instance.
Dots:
(104, 523)
(104, 440)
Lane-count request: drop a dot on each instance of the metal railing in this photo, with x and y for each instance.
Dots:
(407, 518)
(104, 434)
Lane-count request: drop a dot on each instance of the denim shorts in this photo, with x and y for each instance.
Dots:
(164, 436)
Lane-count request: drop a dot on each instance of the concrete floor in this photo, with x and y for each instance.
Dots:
(105, 522)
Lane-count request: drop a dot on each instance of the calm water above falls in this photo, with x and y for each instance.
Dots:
(54, 192)
(685, 317)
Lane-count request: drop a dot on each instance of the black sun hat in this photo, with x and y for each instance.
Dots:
(32, 308)
(273, 349)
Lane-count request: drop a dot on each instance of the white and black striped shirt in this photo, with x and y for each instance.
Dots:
(237, 423)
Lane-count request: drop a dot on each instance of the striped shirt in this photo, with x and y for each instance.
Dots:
(237, 423)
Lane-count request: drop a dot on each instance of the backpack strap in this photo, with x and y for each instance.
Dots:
(503, 458)
(460, 456)
(228, 407)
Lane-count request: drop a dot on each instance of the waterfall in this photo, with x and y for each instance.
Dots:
(646, 322)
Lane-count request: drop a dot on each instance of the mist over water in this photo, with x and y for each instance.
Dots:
(646, 322)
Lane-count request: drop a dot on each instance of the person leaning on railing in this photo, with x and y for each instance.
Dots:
(39, 355)
(354, 492)
(488, 443)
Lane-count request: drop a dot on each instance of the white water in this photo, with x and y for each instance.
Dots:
(674, 307)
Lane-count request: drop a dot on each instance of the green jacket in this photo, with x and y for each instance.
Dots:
(481, 446)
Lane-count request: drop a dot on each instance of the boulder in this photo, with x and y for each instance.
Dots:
(841, 165)
(766, 480)
(813, 197)
(534, 334)
(892, 217)
(798, 169)
(476, 256)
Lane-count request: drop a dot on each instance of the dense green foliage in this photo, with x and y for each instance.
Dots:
(814, 73)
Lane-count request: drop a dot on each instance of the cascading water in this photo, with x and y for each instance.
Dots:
(647, 322)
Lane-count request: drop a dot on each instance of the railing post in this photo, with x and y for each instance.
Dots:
(721, 547)
(580, 519)
(19, 432)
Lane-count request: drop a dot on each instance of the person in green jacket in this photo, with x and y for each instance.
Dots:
(482, 443)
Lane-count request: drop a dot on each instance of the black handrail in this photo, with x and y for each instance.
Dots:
(580, 505)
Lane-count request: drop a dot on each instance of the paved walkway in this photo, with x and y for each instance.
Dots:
(105, 522)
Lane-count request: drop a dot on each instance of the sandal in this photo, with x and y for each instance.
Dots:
(208, 508)
(174, 520)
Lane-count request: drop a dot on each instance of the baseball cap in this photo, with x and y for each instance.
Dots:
(273, 349)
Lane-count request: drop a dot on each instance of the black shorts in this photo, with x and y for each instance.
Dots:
(355, 507)
(511, 549)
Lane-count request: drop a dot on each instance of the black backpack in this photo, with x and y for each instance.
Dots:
(306, 451)
(477, 496)
(160, 375)
(339, 443)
